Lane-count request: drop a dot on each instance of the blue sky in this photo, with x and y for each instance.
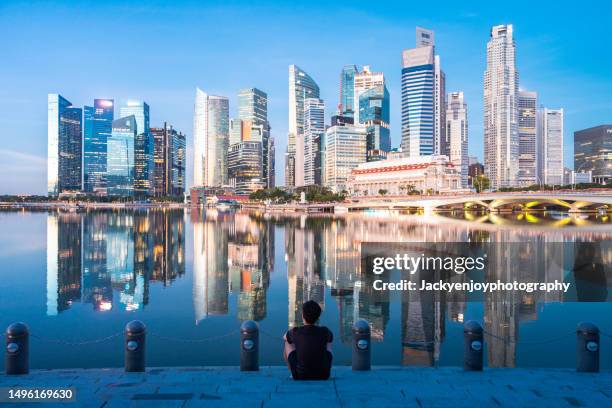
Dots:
(161, 51)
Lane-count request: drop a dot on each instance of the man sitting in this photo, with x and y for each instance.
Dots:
(308, 348)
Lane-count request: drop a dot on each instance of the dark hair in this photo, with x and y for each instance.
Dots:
(311, 311)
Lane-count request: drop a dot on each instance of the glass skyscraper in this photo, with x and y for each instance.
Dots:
(527, 129)
(347, 90)
(121, 157)
(593, 152)
(314, 127)
(374, 113)
(98, 128)
(64, 126)
(143, 146)
(169, 161)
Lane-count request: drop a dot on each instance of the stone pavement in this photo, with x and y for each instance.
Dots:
(272, 387)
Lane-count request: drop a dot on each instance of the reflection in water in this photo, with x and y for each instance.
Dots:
(109, 259)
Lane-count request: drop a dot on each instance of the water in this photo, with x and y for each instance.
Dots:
(77, 276)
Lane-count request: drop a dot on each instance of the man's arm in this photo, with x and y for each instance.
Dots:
(330, 339)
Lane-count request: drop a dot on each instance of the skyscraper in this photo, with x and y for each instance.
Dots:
(363, 81)
(169, 158)
(64, 141)
(95, 149)
(345, 148)
(314, 128)
(121, 157)
(143, 147)
(423, 99)
(592, 149)
(527, 129)
(301, 86)
(550, 160)
(374, 113)
(211, 139)
(501, 139)
(457, 134)
(347, 90)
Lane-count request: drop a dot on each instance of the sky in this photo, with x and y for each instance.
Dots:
(160, 52)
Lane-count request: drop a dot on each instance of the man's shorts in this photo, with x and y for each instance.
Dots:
(292, 359)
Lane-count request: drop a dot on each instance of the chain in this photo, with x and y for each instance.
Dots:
(272, 336)
(202, 340)
(530, 342)
(605, 334)
(77, 343)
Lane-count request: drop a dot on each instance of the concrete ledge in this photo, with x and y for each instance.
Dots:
(272, 387)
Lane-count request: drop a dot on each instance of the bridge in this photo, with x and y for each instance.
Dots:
(573, 202)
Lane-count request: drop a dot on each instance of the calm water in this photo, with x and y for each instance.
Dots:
(77, 276)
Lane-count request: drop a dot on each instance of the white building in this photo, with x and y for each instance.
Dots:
(457, 134)
(400, 176)
(345, 149)
(550, 152)
(527, 171)
(501, 140)
(363, 81)
(210, 139)
(314, 127)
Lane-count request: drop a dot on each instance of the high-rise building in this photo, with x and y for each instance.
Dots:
(211, 139)
(593, 152)
(169, 158)
(143, 146)
(98, 128)
(374, 114)
(345, 148)
(550, 152)
(301, 87)
(120, 164)
(364, 81)
(347, 90)
(423, 98)
(457, 134)
(244, 162)
(314, 128)
(501, 139)
(527, 130)
(64, 141)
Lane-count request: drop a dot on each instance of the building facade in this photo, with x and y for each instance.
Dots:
(211, 139)
(593, 152)
(550, 154)
(423, 98)
(426, 174)
(363, 81)
(501, 139)
(64, 146)
(121, 166)
(301, 87)
(347, 90)
(457, 134)
(374, 114)
(98, 128)
(245, 167)
(143, 147)
(345, 149)
(314, 128)
(169, 161)
(527, 131)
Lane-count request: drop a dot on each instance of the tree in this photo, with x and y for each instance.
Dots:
(382, 192)
(481, 183)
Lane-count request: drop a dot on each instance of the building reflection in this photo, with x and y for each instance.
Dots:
(109, 258)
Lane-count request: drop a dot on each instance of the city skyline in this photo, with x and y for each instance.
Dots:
(545, 59)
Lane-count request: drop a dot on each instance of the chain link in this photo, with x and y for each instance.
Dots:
(202, 340)
(272, 336)
(530, 342)
(76, 343)
(605, 334)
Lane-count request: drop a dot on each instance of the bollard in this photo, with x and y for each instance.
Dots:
(135, 332)
(587, 348)
(249, 346)
(17, 349)
(472, 346)
(361, 346)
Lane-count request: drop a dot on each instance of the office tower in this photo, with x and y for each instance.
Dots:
(347, 91)
(550, 152)
(592, 149)
(64, 141)
(301, 86)
(374, 115)
(98, 128)
(121, 157)
(457, 134)
(501, 139)
(345, 148)
(527, 130)
(423, 99)
(235, 131)
(143, 146)
(170, 161)
(245, 167)
(314, 128)
(211, 139)
(364, 81)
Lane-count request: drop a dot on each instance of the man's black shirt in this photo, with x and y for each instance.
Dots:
(310, 360)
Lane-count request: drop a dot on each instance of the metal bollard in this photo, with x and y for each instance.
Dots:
(587, 348)
(249, 346)
(361, 346)
(135, 332)
(17, 359)
(472, 346)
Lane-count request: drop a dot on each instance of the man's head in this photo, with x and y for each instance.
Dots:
(311, 312)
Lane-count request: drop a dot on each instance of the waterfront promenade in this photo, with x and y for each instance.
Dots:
(272, 387)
